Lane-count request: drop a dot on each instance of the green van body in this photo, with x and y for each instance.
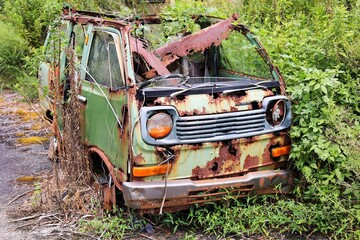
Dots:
(226, 129)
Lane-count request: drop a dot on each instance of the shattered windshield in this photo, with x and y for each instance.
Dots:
(230, 56)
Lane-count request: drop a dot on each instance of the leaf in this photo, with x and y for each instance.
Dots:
(307, 171)
(338, 174)
(323, 89)
(313, 165)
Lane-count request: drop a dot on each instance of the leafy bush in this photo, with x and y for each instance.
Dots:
(13, 49)
(268, 215)
(24, 33)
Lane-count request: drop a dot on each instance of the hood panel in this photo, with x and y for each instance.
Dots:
(216, 103)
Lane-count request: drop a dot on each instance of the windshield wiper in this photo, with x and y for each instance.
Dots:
(207, 84)
(249, 87)
(159, 78)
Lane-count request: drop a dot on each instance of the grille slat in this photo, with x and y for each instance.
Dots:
(221, 129)
(198, 136)
(201, 125)
(217, 125)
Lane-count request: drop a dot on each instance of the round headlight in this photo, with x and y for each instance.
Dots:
(276, 113)
(159, 125)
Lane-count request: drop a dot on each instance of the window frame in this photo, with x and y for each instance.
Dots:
(116, 35)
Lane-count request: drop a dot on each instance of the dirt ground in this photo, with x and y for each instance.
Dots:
(23, 159)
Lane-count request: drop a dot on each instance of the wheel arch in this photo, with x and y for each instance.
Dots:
(110, 167)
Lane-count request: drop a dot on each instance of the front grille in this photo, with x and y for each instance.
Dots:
(217, 125)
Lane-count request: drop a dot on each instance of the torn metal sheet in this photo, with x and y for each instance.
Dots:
(196, 42)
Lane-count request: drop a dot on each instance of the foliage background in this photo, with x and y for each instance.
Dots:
(316, 45)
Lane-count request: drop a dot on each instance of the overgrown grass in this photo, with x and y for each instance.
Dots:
(266, 216)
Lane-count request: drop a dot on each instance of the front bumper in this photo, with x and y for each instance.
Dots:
(182, 193)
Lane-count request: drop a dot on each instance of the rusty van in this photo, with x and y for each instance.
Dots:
(187, 122)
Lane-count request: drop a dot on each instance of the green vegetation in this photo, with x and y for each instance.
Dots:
(316, 46)
(13, 48)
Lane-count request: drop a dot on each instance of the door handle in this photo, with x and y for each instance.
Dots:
(81, 98)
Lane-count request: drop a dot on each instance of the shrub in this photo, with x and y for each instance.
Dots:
(13, 49)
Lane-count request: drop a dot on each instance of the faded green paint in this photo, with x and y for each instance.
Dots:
(188, 159)
(101, 127)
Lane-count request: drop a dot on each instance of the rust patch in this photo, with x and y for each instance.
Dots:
(227, 163)
(196, 42)
(139, 159)
(251, 162)
(266, 156)
(151, 59)
(119, 173)
(215, 103)
(196, 146)
(261, 182)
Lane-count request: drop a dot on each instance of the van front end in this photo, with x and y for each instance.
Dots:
(209, 143)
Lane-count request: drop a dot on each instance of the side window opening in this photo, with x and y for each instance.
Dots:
(79, 40)
(76, 43)
(55, 42)
(103, 63)
(141, 67)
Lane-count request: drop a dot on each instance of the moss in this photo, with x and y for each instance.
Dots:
(26, 115)
(32, 140)
(36, 127)
(20, 134)
(26, 179)
(21, 112)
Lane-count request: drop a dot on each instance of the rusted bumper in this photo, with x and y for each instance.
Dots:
(182, 193)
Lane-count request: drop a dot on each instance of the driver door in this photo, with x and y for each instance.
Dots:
(103, 94)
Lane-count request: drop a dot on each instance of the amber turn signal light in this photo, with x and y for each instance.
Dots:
(280, 151)
(151, 171)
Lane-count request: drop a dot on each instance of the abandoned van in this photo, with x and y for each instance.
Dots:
(183, 123)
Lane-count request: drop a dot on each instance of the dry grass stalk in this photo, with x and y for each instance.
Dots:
(72, 170)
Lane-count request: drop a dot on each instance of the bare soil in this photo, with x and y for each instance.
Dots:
(20, 164)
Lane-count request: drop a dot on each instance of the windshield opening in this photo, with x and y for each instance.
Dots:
(235, 58)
